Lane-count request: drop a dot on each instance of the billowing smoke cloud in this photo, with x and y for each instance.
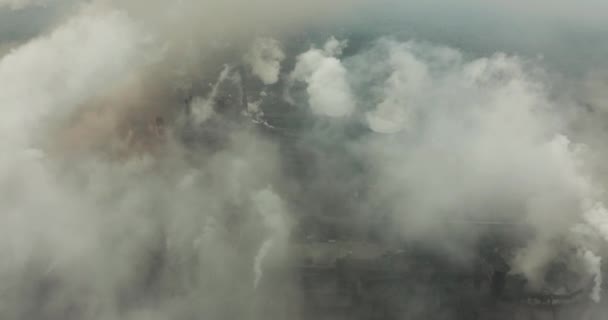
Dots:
(41, 82)
(409, 77)
(483, 142)
(108, 235)
(264, 59)
(134, 188)
(326, 79)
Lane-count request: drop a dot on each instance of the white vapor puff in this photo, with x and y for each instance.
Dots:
(329, 93)
(409, 77)
(264, 59)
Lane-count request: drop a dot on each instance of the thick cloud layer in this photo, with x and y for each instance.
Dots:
(21, 4)
(134, 188)
(42, 83)
(101, 234)
(471, 140)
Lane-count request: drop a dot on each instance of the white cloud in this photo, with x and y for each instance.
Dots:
(484, 141)
(50, 76)
(326, 78)
(264, 58)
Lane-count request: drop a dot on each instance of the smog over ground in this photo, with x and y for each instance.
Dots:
(289, 159)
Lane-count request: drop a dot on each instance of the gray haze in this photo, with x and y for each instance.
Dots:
(468, 110)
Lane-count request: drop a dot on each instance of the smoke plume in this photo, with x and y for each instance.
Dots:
(264, 59)
(164, 160)
(328, 89)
